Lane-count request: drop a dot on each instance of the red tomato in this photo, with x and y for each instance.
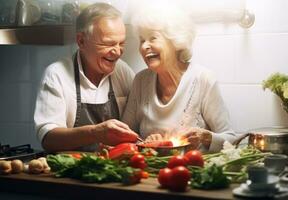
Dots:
(194, 158)
(134, 179)
(76, 155)
(164, 177)
(144, 174)
(137, 176)
(177, 161)
(138, 161)
(180, 176)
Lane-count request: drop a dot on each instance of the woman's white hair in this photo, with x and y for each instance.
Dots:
(173, 23)
(92, 13)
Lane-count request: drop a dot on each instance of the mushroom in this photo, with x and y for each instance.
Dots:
(17, 166)
(45, 164)
(35, 166)
(5, 167)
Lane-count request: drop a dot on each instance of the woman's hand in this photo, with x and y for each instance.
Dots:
(159, 135)
(197, 136)
(154, 137)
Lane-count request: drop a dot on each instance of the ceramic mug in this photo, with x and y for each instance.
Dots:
(257, 174)
(276, 163)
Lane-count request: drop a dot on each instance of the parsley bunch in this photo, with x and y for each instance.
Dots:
(90, 168)
(278, 84)
(211, 177)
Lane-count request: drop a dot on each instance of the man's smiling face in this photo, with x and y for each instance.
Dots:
(105, 45)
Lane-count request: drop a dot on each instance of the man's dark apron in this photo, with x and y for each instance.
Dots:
(88, 114)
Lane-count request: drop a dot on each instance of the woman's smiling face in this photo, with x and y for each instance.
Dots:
(157, 51)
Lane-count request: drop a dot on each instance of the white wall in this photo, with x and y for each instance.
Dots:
(240, 58)
(21, 69)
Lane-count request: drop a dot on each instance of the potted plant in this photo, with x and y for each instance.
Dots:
(278, 84)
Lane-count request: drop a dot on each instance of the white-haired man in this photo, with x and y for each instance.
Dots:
(81, 98)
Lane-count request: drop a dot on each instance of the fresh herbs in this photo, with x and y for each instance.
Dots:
(234, 161)
(156, 163)
(278, 84)
(90, 168)
(211, 177)
(61, 163)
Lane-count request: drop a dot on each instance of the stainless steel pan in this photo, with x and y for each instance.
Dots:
(269, 139)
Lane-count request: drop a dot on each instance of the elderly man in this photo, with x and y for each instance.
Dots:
(81, 98)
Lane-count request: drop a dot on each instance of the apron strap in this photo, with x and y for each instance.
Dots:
(112, 98)
(77, 85)
(111, 93)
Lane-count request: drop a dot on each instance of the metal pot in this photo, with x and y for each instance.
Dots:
(270, 139)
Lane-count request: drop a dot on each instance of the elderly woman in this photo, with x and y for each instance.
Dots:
(175, 95)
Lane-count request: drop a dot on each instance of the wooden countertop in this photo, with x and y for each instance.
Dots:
(49, 186)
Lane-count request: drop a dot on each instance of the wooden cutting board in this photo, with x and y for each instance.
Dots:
(48, 185)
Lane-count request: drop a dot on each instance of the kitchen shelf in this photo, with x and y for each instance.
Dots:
(37, 35)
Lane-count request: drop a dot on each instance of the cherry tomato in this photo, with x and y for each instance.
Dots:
(76, 155)
(138, 161)
(164, 177)
(180, 176)
(177, 161)
(194, 158)
(134, 179)
(144, 174)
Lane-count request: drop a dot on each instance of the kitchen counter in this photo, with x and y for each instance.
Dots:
(47, 185)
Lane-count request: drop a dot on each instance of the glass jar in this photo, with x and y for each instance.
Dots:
(8, 12)
(49, 12)
(69, 12)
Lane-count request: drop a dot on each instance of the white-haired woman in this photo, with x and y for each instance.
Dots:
(175, 95)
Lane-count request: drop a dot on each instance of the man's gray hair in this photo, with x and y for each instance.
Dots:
(174, 24)
(92, 13)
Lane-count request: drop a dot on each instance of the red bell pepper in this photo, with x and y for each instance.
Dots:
(123, 150)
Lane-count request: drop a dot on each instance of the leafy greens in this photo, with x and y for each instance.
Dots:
(90, 168)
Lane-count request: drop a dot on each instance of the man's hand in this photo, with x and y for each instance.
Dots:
(113, 132)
